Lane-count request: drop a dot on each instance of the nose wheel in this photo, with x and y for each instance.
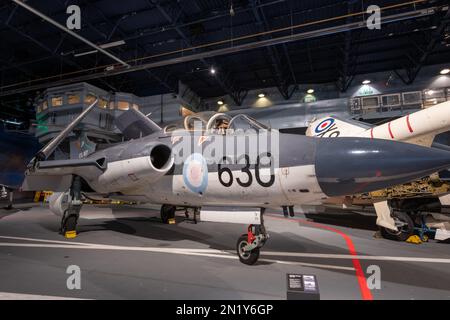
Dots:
(248, 245)
(246, 257)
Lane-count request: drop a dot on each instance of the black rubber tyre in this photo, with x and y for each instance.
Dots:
(167, 213)
(248, 258)
(404, 231)
(70, 224)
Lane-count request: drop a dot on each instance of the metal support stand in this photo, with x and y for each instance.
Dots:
(285, 211)
(291, 211)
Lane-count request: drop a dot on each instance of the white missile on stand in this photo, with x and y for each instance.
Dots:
(417, 128)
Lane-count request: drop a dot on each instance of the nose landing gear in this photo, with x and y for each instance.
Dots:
(249, 245)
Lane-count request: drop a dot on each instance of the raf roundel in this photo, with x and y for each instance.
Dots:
(324, 125)
(195, 173)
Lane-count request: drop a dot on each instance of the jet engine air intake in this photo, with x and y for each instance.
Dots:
(160, 156)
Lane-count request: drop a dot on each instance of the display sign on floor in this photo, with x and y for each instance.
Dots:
(302, 287)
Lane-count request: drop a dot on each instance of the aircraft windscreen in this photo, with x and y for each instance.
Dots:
(244, 122)
(191, 121)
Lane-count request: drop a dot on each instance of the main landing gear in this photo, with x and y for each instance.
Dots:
(249, 244)
(404, 224)
(168, 214)
(71, 214)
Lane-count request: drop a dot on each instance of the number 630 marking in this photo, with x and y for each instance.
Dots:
(246, 169)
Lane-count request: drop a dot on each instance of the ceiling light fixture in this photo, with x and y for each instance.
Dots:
(366, 82)
(261, 95)
(310, 91)
(212, 70)
(445, 71)
(220, 102)
(232, 12)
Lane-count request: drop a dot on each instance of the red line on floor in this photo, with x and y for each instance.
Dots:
(365, 291)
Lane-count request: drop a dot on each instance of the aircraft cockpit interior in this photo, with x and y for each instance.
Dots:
(216, 123)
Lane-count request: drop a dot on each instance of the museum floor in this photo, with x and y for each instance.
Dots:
(127, 253)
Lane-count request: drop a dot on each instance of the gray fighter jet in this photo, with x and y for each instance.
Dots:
(225, 161)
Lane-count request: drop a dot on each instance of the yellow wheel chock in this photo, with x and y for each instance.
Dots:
(70, 234)
(414, 239)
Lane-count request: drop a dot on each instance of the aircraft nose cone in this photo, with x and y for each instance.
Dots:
(347, 166)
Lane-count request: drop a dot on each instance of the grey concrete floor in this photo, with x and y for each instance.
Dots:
(126, 253)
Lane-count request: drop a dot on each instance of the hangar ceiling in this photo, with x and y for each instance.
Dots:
(35, 54)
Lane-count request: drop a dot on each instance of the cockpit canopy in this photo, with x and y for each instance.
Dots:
(216, 123)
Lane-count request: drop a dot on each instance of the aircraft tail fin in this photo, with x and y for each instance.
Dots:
(332, 127)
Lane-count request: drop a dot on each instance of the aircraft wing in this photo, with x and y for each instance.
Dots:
(56, 175)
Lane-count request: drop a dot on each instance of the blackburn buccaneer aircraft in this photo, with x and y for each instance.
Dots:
(225, 162)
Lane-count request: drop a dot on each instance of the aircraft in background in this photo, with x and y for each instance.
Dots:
(397, 207)
(224, 168)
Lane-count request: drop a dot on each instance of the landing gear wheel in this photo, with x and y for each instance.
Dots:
(250, 257)
(167, 213)
(404, 224)
(69, 225)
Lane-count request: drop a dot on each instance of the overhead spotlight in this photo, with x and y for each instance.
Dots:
(212, 70)
(261, 95)
(429, 92)
(232, 12)
(445, 71)
(220, 102)
(310, 91)
(366, 82)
